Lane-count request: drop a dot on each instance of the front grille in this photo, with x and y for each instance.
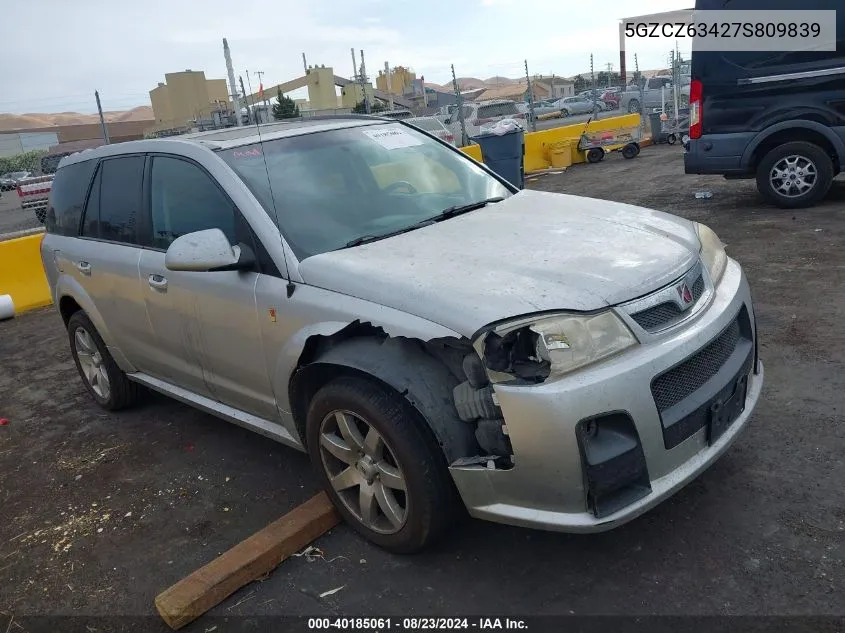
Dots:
(657, 316)
(679, 382)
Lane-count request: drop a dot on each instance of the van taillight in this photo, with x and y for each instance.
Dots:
(695, 102)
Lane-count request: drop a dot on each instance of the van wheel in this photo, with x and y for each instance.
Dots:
(795, 175)
(633, 106)
(105, 381)
(383, 472)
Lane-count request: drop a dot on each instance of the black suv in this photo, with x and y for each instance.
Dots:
(776, 116)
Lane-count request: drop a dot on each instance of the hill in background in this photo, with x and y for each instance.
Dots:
(42, 120)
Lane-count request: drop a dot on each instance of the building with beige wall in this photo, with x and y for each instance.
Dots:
(185, 97)
(401, 80)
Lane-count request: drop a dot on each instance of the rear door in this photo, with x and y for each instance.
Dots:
(206, 322)
(104, 259)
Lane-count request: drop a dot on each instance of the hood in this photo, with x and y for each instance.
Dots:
(532, 252)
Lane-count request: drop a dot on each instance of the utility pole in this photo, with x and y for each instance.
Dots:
(609, 72)
(102, 120)
(246, 101)
(265, 112)
(387, 81)
(593, 83)
(364, 83)
(636, 69)
(530, 99)
(260, 74)
(464, 138)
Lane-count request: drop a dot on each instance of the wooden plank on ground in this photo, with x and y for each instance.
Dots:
(247, 561)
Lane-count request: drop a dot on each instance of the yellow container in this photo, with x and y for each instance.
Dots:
(560, 154)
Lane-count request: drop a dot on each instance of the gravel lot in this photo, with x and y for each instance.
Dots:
(100, 512)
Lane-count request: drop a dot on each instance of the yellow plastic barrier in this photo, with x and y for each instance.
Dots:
(538, 144)
(22, 274)
(474, 151)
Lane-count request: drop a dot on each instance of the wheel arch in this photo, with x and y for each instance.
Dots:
(71, 297)
(406, 365)
(794, 130)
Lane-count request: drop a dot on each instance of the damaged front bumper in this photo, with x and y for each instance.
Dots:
(552, 485)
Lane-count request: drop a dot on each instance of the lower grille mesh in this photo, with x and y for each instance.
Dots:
(676, 384)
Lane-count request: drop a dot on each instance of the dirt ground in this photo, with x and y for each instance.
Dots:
(100, 512)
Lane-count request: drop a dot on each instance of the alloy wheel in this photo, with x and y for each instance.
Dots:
(793, 176)
(92, 363)
(363, 470)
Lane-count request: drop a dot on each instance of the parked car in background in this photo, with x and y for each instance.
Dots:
(34, 194)
(541, 108)
(433, 126)
(611, 98)
(775, 117)
(657, 93)
(430, 335)
(9, 181)
(578, 105)
(481, 113)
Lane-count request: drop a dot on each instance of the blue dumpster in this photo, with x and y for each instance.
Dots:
(505, 154)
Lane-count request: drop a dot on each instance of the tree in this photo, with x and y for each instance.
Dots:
(580, 83)
(284, 107)
(375, 106)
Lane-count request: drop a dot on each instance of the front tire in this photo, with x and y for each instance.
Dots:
(381, 468)
(795, 175)
(633, 106)
(103, 379)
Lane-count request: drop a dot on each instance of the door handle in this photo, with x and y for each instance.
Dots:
(157, 282)
(84, 267)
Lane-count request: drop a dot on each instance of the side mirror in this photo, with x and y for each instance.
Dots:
(205, 251)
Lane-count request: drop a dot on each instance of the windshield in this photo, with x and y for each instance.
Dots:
(331, 188)
(429, 125)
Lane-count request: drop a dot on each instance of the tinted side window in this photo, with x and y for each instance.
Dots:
(67, 197)
(121, 198)
(185, 199)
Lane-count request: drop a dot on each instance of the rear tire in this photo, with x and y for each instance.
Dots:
(365, 483)
(795, 175)
(103, 379)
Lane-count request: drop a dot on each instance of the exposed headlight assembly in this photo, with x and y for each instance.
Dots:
(712, 252)
(534, 349)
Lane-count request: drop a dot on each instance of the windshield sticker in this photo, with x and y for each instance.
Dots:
(393, 138)
(246, 153)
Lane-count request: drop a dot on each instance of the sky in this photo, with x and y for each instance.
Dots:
(63, 50)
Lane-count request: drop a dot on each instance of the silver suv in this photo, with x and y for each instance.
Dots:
(431, 336)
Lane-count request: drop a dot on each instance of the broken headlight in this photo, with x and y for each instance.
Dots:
(554, 345)
(712, 252)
